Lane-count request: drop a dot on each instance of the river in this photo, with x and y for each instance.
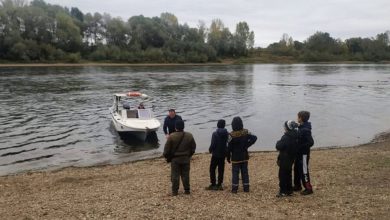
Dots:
(53, 117)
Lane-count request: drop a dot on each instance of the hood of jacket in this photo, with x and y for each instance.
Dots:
(222, 131)
(240, 133)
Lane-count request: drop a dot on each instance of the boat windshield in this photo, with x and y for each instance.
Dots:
(144, 114)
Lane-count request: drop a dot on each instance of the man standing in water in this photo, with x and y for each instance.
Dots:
(170, 122)
(178, 150)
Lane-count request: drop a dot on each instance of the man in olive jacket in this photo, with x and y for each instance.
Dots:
(182, 146)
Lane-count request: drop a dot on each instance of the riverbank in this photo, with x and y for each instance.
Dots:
(249, 60)
(351, 182)
(107, 64)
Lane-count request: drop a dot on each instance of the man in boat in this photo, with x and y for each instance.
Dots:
(141, 106)
(170, 122)
(178, 150)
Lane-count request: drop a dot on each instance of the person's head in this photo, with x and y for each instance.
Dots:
(237, 124)
(221, 123)
(303, 116)
(290, 125)
(179, 125)
(171, 113)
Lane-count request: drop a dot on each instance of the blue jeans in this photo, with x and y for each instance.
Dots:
(236, 167)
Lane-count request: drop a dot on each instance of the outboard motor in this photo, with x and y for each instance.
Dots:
(126, 105)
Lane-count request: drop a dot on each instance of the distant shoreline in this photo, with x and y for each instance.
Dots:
(105, 64)
(224, 62)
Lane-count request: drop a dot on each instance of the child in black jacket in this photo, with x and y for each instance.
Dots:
(287, 147)
(218, 149)
(301, 164)
(240, 141)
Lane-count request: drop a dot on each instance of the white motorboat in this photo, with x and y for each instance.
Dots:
(130, 118)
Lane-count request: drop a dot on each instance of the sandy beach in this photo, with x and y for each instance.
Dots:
(349, 183)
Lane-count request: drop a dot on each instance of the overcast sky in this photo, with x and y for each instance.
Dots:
(269, 19)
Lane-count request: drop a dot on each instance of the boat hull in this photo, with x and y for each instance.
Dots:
(124, 130)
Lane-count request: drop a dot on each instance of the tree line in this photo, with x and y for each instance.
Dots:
(42, 32)
(38, 31)
(322, 47)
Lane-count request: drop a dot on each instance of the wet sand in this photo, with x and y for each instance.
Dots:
(349, 183)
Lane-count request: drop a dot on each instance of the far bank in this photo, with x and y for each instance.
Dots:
(241, 61)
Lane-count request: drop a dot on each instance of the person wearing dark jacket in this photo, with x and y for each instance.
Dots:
(301, 164)
(218, 149)
(240, 140)
(170, 121)
(287, 147)
(182, 146)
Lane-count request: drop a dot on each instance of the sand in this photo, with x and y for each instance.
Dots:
(349, 183)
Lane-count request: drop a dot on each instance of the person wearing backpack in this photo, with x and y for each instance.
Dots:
(178, 150)
(301, 164)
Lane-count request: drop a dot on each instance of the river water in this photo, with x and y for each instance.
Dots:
(53, 117)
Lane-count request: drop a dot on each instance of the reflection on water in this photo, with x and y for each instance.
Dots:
(55, 117)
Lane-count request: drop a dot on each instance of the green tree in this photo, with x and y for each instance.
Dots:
(94, 29)
(220, 38)
(117, 33)
(67, 35)
(243, 39)
(147, 32)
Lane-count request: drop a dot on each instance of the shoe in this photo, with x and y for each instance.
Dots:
(246, 190)
(211, 187)
(297, 188)
(307, 192)
(175, 193)
(234, 191)
(219, 187)
(280, 195)
(187, 192)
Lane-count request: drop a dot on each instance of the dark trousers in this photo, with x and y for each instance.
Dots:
(236, 168)
(220, 163)
(285, 180)
(180, 170)
(301, 171)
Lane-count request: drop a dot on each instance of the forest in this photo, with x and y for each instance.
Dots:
(40, 32)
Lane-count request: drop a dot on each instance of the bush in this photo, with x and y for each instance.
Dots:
(154, 55)
(73, 57)
(113, 53)
(99, 54)
(18, 52)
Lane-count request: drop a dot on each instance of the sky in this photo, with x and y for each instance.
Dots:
(269, 19)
